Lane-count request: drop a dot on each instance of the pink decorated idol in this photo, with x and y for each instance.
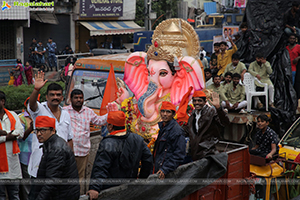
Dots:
(164, 73)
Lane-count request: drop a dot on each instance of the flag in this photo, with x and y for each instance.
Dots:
(111, 89)
(181, 112)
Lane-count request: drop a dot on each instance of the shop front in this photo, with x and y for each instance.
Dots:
(110, 22)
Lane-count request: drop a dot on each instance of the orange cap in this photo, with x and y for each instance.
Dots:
(167, 106)
(199, 93)
(44, 121)
(116, 118)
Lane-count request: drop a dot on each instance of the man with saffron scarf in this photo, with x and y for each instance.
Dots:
(205, 124)
(169, 148)
(10, 169)
(119, 155)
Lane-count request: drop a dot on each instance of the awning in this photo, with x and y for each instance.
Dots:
(111, 27)
(44, 17)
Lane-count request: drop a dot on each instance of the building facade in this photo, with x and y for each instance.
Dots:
(109, 21)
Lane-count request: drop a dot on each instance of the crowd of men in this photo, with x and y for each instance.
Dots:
(49, 145)
(225, 74)
(54, 143)
(225, 64)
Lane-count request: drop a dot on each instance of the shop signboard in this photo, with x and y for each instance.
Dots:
(101, 8)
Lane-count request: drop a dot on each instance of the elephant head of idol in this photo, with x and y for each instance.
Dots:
(167, 70)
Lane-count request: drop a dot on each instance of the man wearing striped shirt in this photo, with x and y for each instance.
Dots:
(81, 117)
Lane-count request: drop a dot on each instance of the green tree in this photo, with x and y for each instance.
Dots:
(165, 9)
(139, 14)
(15, 96)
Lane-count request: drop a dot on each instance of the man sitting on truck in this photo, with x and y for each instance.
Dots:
(234, 95)
(205, 124)
(261, 69)
(291, 19)
(227, 79)
(236, 67)
(208, 77)
(217, 87)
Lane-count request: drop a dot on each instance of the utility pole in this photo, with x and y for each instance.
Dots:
(146, 13)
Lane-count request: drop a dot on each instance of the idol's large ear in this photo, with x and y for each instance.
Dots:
(189, 74)
(136, 73)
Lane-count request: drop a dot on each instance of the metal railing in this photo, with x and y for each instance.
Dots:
(61, 59)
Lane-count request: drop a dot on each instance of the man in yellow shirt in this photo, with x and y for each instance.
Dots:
(224, 58)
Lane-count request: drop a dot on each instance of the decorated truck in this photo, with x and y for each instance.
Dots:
(144, 80)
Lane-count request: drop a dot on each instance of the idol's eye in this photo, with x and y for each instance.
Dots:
(163, 73)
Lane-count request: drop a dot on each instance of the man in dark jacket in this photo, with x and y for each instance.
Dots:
(57, 164)
(204, 125)
(169, 147)
(119, 155)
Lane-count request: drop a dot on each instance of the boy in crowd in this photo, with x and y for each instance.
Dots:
(208, 77)
(236, 67)
(227, 79)
(213, 64)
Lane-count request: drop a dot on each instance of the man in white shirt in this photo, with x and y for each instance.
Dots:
(204, 61)
(50, 108)
(10, 168)
(208, 77)
(202, 51)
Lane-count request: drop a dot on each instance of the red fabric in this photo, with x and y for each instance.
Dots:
(297, 160)
(199, 93)
(116, 118)
(165, 105)
(181, 112)
(67, 69)
(3, 155)
(28, 73)
(110, 93)
(44, 121)
(119, 131)
(26, 101)
(294, 53)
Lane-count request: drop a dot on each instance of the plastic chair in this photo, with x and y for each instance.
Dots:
(200, 19)
(250, 89)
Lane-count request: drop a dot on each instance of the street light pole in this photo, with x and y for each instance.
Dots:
(146, 13)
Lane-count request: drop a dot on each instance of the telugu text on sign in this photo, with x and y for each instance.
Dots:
(101, 8)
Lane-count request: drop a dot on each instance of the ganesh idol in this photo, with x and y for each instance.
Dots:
(164, 73)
